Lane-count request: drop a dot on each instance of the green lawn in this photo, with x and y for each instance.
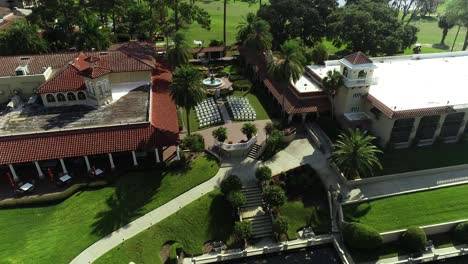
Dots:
(421, 158)
(208, 218)
(416, 209)
(56, 234)
(236, 10)
(193, 120)
(299, 215)
(262, 113)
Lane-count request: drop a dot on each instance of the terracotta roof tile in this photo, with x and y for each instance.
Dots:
(358, 58)
(64, 81)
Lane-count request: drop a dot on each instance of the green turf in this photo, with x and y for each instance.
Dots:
(56, 234)
(416, 209)
(236, 10)
(208, 218)
(299, 215)
(193, 120)
(262, 113)
(421, 158)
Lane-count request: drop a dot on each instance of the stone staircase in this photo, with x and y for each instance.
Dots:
(254, 151)
(253, 212)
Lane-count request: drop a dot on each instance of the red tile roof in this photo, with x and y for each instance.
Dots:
(162, 131)
(67, 80)
(94, 72)
(358, 58)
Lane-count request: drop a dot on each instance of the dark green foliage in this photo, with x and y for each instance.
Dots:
(215, 42)
(361, 237)
(280, 226)
(220, 134)
(318, 54)
(413, 239)
(273, 144)
(194, 142)
(242, 84)
(461, 232)
(263, 174)
(249, 130)
(288, 64)
(243, 230)
(254, 33)
(237, 199)
(21, 38)
(231, 184)
(269, 128)
(274, 196)
(176, 250)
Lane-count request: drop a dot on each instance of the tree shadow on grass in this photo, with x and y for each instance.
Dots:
(221, 218)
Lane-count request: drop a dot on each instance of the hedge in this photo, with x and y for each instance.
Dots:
(413, 239)
(461, 232)
(53, 198)
(243, 85)
(176, 248)
(361, 237)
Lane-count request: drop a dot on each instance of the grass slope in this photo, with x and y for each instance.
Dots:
(262, 113)
(202, 220)
(56, 234)
(417, 209)
(299, 215)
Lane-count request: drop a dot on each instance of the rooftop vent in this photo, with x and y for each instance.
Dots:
(22, 70)
(24, 58)
(103, 53)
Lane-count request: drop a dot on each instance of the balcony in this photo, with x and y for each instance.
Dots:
(351, 82)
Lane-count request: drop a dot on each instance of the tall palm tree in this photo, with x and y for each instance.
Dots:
(180, 53)
(258, 37)
(287, 65)
(246, 27)
(331, 83)
(355, 154)
(187, 89)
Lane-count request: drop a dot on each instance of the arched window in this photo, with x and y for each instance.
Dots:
(71, 97)
(50, 98)
(61, 97)
(81, 96)
(345, 72)
(362, 74)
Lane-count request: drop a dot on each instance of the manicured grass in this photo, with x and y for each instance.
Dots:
(417, 209)
(208, 218)
(193, 120)
(300, 215)
(236, 10)
(262, 114)
(56, 234)
(421, 158)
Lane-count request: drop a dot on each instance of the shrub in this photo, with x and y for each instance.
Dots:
(361, 237)
(263, 173)
(269, 128)
(237, 199)
(220, 134)
(243, 230)
(242, 85)
(215, 42)
(319, 54)
(280, 226)
(249, 130)
(461, 232)
(274, 196)
(176, 250)
(231, 184)
(413, 239)
(194, 142)
(273, 144)
(233, 77)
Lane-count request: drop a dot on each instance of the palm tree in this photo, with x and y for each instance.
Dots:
(355, 154)
(180, 53)
(187, 89)
(287, 64)
(331, 83)
(249, 130)
(255, 34)
(445, 24)
(245, 28)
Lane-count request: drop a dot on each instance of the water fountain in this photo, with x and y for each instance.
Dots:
(212, 82)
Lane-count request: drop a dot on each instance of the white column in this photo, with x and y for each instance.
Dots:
(178, 152)
(64, 168)
(135, 162)
(39, 171)
(156, 151)
(111, 160)
(13, 172)
(290, 117)
(88, 166)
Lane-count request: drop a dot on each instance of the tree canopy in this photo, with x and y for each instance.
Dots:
(370, 27)
(21, 38)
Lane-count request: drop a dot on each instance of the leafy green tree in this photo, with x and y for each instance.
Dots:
(21, 38)
(370, 27)
(274, 196)
(445, 25)
(319, 54)
(220, 134)
(457, 12)
(355, 154)
(331, 83)
(273, 144)
(249, 130)
(243, 231)
(237, 199)
(187, 90)
(255, 34)
(246, 27)
(181, 52)
(280, 226)
(263, 174)
(269, 127)
(194, 142)
(304, 19)
(92, 36)
(231, 184)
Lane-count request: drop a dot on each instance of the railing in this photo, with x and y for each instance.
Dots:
(237, 146)
(359, 82)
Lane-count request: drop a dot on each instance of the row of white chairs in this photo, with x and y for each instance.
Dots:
(207, 113)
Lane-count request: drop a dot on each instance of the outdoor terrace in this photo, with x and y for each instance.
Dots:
(130, 106)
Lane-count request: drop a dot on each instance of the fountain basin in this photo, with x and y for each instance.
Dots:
(209, 83)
